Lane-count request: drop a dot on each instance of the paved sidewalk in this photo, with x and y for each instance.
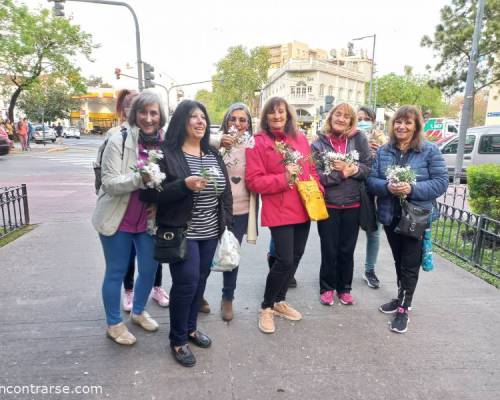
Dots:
(52, 332)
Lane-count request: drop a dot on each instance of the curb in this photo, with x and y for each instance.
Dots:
(57, 149)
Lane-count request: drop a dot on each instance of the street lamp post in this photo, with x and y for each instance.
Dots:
(137, 32)
(374, 36)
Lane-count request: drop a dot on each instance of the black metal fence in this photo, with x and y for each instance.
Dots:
(14, 208)
(471, 237)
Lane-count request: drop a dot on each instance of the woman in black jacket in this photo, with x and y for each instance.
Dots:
(196, 195)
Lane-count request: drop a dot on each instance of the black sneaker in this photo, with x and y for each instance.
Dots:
(389, 308)
(371, 279)
(292, 283)
(400, 322)
(184, 356)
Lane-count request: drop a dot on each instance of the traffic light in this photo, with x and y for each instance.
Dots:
(328, 103)
(118, 73)
(58, 9)
(149, 76)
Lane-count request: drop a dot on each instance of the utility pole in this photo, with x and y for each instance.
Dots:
(370, 96)
(59, 12)
(469, 93)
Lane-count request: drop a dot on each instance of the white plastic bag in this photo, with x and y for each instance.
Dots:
(227, 255)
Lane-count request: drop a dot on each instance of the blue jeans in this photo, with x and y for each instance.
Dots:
(188, 285)
(117, 250)
(372, 246)
(240, 224)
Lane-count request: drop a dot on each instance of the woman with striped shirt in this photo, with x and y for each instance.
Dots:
(196, 195)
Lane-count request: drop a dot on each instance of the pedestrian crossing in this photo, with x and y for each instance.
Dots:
(85, 160)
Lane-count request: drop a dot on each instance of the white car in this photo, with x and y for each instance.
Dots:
(43, 134)
(482, 146)
(71, 132)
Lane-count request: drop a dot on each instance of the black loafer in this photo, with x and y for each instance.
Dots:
(184, 356)
(200, 339)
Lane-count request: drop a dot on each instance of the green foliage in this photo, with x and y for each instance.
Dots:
(395, 90)
(33, 44)
(484, 189)
(52, 95)
(452, 43)
(239, 75)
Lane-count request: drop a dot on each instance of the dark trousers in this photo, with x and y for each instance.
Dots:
(338, 236)
(188, 285)
(239, 229)
(128, 281)
(407, 253)
(290, 243)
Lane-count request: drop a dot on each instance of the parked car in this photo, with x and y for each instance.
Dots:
(71, 132)
(482, 146)
(4, 145)
(436, 129)
(43, 134)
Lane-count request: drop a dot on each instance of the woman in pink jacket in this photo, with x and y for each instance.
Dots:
(268, 173)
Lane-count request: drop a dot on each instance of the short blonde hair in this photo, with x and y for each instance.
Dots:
(407, 112)
(352, 114)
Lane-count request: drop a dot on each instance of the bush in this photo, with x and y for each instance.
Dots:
(484, 189)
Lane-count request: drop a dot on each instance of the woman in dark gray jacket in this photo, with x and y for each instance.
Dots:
(339, 233)
(406, 146)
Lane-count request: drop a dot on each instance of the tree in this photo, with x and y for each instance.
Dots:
(48, 98)
(480, 105)
(452, 43)
(395, 90)
(34, 44)
(238, 76)
(96, 81)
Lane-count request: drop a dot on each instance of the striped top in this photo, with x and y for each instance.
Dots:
(204, 222)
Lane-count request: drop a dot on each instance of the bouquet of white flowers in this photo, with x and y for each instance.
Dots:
(327, 159)
(210, 175)
(150, 167)
(246, 140)
(398, 174)
(290, 156)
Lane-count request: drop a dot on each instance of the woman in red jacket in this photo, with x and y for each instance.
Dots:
(274, 177)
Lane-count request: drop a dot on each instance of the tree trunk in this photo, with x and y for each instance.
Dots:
(13, 101)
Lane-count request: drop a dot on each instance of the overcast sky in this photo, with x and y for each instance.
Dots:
(183, 39)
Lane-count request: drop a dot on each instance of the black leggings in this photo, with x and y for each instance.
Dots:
(128, 281)
(407, 253)
(290, 243)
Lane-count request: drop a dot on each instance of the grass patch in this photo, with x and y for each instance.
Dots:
(10, 237)
(492, 280)
(458, 236)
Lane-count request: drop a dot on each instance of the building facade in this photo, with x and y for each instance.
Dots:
(97, 110)
(305, 76)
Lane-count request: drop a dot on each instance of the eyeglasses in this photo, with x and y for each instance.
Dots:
(240, 120)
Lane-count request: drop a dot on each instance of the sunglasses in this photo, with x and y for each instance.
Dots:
(240, 120)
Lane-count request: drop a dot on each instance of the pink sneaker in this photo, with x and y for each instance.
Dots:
(128, 298)
(326, 298)
(161, 296)
(346, 299)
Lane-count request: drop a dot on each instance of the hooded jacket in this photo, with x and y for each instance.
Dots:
(265, 174)
(341, 191)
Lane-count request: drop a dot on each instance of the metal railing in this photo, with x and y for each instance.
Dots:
(471, 237)
(14, 208)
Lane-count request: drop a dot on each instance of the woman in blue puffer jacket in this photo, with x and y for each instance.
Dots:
(406, 146)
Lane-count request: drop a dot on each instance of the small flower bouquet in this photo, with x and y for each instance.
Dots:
(327, 159)
(150, 167)
(246, 140)
(290, 156)
(211, 174)
(399, 174)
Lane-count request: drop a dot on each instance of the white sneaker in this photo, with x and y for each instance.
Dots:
(145, 321)
(161, 296)
(128, 299)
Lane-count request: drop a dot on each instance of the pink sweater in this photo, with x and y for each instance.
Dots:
(236, 164)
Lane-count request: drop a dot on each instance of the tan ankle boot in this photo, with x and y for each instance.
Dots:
(226, 310)
(266, 320)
